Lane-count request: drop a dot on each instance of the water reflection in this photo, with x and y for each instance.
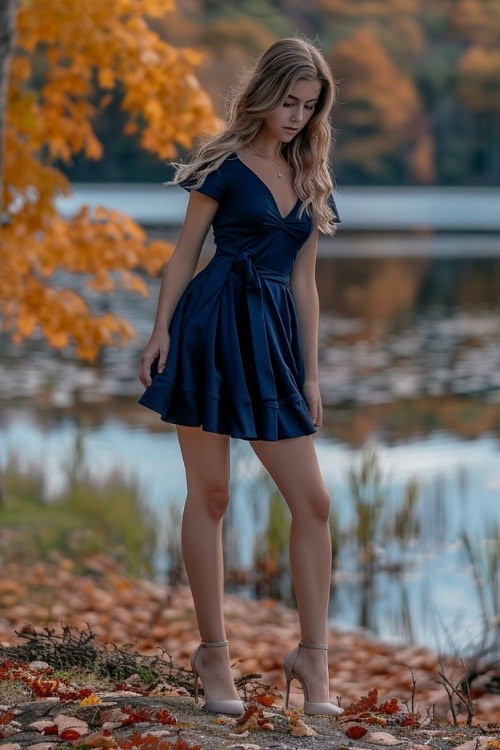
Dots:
(391, 330)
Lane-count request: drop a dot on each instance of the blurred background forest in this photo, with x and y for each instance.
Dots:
(419, 84)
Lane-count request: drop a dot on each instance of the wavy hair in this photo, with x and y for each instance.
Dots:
(265, 88)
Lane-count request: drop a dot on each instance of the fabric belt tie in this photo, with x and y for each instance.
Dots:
(227, 261)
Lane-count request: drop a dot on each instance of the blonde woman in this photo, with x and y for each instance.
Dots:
(233, 351)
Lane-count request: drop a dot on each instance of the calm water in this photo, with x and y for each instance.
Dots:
(409, 360)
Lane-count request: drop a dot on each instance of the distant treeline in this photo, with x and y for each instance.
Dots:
(419, 85)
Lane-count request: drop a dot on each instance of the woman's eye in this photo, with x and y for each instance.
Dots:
(291, 105)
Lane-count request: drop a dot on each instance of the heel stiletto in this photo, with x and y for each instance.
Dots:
(310, 707)
(217, 706)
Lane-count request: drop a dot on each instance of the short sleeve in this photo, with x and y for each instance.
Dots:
(331, 203)
(214, 184)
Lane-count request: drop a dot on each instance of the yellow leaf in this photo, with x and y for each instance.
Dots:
(106, 78)
(90, 700)
(26, 323)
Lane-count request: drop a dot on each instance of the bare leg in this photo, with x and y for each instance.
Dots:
(294, 467)
(206, 459)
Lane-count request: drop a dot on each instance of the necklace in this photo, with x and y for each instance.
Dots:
(280, 172)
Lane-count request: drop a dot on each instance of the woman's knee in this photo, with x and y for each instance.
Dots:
(214, 497)
(316, 504)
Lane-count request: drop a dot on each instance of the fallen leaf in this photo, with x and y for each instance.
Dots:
(98, 740)
(356, 731)
(70, 734)
(52, 729)
(478, 743)
(250, 725)
(253, 719)
(299, 729)
(64, 722)
(265, 700)
(115, 714)
(382, 738)
(27, 629)
(40, 725)
(9, 730)
(90, 700)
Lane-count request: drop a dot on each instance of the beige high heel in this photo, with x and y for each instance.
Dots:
(217, 706)
(310, 707)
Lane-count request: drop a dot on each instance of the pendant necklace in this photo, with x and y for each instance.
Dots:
(280, 172)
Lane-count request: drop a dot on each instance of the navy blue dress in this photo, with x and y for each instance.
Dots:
(234, 363)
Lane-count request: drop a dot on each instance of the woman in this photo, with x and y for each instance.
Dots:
(234, 349)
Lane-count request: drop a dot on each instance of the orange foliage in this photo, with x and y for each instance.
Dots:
(478, 22)
(479, 84)
(369, 8)
(383, 101)
(80, 48)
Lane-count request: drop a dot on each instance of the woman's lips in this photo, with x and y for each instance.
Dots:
(292, 130)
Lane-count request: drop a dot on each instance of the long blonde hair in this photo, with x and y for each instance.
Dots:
(266, 87)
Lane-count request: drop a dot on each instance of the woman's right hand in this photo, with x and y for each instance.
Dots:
(158, 345)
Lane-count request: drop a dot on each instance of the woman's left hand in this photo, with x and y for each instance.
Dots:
(313, 398)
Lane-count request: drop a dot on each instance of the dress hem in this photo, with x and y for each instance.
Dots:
(276, 423)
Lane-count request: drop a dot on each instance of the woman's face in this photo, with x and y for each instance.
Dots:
(293, 115)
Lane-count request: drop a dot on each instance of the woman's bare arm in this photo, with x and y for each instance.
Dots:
(176, 275)
(305, 295)
(182, 265)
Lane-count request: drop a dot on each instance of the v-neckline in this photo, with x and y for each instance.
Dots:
(283, 218)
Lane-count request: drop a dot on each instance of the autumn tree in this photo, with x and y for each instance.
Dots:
(384, 111)
(78, 53)
(7, 34)
(478, 84)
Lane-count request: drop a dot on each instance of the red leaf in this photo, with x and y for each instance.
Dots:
(266, 700)
(389, 707)
(183, 745)
(410, 721)
(51, 730)
(354, 733)
(70, 734)
(165, 717)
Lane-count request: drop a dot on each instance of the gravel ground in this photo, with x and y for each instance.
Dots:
(215, 731)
